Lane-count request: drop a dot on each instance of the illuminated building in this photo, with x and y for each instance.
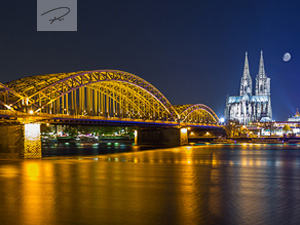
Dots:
(247, 107)
(295, 118)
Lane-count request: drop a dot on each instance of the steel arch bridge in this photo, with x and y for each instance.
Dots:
(108, 95)
(197, 113)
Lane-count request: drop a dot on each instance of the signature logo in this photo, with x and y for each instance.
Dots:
(61, 10)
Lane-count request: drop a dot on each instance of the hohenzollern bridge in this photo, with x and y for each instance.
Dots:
(99, 97)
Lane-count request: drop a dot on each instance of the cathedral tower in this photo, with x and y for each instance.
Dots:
(262, 81)
(246, 81)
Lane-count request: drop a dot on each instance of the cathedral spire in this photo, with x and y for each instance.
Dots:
(262, 81)
(261, 71)
(246, 81)
(246, 73)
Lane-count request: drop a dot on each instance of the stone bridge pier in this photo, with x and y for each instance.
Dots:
(20, 141)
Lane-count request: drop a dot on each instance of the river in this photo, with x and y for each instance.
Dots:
(204, 184)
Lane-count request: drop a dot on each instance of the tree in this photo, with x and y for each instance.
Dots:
(70, 130)
(286, 128)
(230, 128)
(47, 129)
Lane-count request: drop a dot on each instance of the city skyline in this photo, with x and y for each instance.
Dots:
(193, 53)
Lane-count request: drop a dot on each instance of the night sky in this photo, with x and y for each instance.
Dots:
(192, 51)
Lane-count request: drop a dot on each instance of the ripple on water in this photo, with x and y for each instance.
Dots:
(187, 185)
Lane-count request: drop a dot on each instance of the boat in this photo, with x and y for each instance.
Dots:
(86, 140)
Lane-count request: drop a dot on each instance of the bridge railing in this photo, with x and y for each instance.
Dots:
(42, 116)
(12, 113)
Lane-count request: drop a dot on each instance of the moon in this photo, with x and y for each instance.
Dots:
(286, 57)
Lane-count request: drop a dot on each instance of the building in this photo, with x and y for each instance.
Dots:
(295, 118)
(247, 107)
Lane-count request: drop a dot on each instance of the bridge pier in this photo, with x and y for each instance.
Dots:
(20, 141)
(161, 136)
(32, 141)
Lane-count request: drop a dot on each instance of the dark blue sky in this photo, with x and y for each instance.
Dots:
(192, 51)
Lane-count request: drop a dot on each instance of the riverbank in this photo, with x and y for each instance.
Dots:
(265, 140)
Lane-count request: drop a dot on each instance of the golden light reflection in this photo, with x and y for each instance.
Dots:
(135, 137)
(258, 163)
(37, 199)
(244, 161)
(176, 149)
(214, 161)
(251, 162)
(188, 205)
(135, 148)
(215, 203)
(32, 170)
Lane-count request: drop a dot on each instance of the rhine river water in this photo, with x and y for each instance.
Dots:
(205, 184)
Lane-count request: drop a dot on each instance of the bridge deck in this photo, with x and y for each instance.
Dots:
(94, 120)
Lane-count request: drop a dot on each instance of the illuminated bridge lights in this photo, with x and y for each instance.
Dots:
(109, 95)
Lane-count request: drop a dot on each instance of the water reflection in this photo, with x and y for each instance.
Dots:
(214, 184)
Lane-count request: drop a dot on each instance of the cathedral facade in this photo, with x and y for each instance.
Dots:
(247, 107)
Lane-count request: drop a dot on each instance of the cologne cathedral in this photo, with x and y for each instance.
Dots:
(247, 107)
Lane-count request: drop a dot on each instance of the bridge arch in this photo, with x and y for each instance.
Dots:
(197, 113)
(8, 96)
(109, 93)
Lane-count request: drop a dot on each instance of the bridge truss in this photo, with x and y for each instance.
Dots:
(99, 94)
